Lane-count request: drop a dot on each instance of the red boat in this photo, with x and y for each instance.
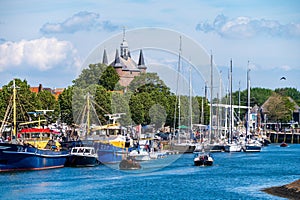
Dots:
(283, 144)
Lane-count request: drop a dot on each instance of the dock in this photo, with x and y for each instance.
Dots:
(279, 137)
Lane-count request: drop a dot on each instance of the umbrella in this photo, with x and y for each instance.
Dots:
(183, 126)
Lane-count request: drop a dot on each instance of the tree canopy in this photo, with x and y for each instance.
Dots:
(90, 75)
(109, 78)
(147, 100)
(279, 108)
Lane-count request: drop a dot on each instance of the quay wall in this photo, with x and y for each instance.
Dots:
(279, 137)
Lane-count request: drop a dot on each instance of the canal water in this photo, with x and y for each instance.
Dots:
(233, 176)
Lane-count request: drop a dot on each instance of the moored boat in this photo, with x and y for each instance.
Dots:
(21, 154)
(16, 157)
(141, 153)
(233, 147)
(252, 148)
(82, 157)
(111, 151)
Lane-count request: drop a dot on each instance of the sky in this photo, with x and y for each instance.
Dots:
(48, 41)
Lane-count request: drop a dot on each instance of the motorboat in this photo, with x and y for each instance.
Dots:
(82, 157)
(203, 159)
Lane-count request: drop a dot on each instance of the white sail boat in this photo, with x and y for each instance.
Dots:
(250, 145)
(233, 145)
(186, 146)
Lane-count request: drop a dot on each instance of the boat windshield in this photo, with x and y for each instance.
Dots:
(36, 135)
(74, 150)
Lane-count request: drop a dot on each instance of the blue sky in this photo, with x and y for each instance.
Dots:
(47, 41)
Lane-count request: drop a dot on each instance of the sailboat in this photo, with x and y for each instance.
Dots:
(187, 146)
(18, 156)
(233, 144)
(250, 144)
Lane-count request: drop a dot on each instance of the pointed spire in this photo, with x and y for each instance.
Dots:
(124, 47)
(123, 33)
(129, 55)
(141, 63)
(117, 62)
(104, 60)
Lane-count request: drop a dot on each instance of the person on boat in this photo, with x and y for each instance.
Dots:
(147, 148)
(137, 146)
(1, 139)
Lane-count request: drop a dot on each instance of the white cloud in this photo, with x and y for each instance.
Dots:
(245, 27)
(285, 67)
(82, 21)
(42, 54)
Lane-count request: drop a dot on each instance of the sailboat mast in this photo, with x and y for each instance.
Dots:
(14, 109)
(230, 102)
(239, 111)
(202, 112)
(248, 100)
(211, 97)
(179, 113)
(88, 115)
(219, 115)
(190, 105)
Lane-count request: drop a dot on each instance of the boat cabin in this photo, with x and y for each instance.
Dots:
(38, 137)
(83, 151)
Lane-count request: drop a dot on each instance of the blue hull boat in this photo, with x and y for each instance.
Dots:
(252, 148)
(82, 157)
(16, 157)
(108, 154)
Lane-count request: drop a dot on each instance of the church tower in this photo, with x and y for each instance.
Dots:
(124, 48)
(124, 65)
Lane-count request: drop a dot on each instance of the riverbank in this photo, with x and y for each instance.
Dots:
(290, 191)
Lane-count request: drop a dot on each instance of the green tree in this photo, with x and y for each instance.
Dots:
(3, 105)
(137, 109)
(258, 96)
(278, 108)
(147, 91)
(103, 103)
(206, 110)
(46, 101)
(158, 115)
(26, 101)
(90, 76)
(148, 82)
(120, 104)
(289, 92)
(109, 78)
(65, 103)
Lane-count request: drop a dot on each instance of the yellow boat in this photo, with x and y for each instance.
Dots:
(41, 138)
